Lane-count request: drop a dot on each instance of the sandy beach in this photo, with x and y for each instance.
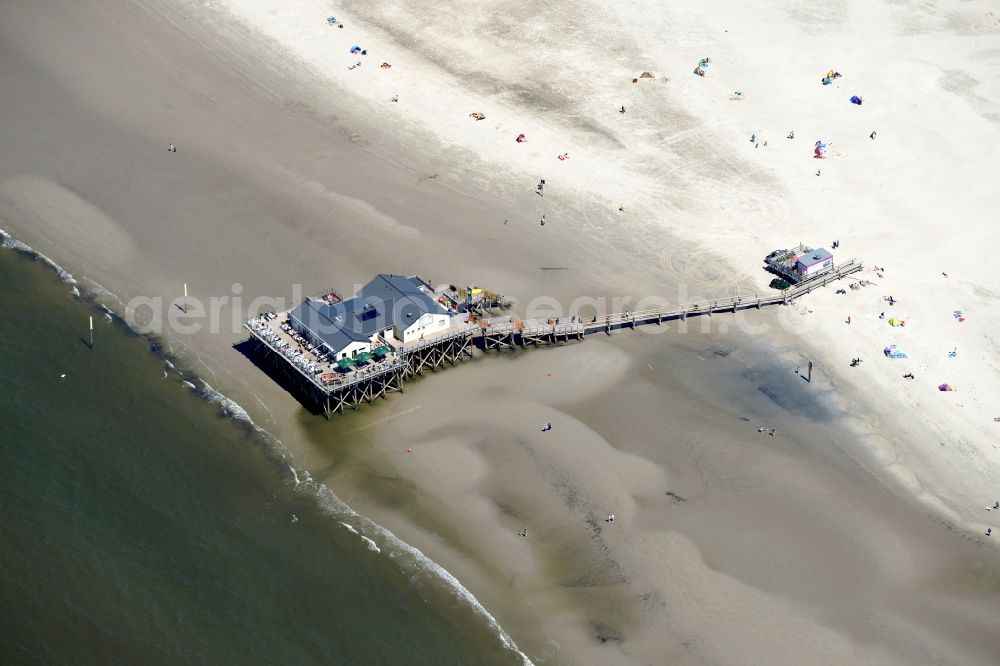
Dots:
(855, 533)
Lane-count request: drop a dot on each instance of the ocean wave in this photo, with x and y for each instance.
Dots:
(230, 407)
(9, 242)
(371, 544)
(413, 563)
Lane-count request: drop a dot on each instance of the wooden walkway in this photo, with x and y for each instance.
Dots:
(502, 332)
(376, 381)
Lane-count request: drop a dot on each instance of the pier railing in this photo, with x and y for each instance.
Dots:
(464, 331)
(598, 323)
(507, 332)
(340, 380)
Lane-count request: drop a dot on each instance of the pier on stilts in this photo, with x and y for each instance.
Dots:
(330, 393)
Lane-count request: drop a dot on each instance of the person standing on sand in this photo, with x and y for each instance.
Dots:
(543, 221)
(172, 148)
(872, 136)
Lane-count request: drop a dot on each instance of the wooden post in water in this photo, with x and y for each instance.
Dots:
(91, 331)
(809, 377)
(185, 297)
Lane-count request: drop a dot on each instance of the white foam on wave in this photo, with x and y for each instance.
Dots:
(371, 544)
(230, 407)
(9, 242)
(411, 560)
(74, 292)
(349, 527)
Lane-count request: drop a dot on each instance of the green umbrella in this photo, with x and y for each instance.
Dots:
(363, 357)
(380, 351)
(345, 363)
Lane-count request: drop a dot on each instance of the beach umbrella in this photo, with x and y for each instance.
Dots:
(363, 357)
(380, 351)
(856, 100)
(345, 363)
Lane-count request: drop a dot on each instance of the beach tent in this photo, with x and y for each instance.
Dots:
(945, 387)
(896, 322)
(520, 138)
(699, 71)
(826, 80)
(647, 75)
(856, 100)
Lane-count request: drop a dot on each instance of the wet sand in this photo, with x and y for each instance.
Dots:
(728, 546)
(784, 549)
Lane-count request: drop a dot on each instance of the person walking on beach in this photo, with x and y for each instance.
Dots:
(543, 221)
(622, 110)
(172, 148)
(872, 136)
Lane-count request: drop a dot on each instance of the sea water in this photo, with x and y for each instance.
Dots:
(140, 523)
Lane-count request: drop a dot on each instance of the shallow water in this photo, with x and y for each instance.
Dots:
(141, 525)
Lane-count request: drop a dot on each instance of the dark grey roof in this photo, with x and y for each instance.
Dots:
(400, 298)
(385, 302)
(325, 324)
